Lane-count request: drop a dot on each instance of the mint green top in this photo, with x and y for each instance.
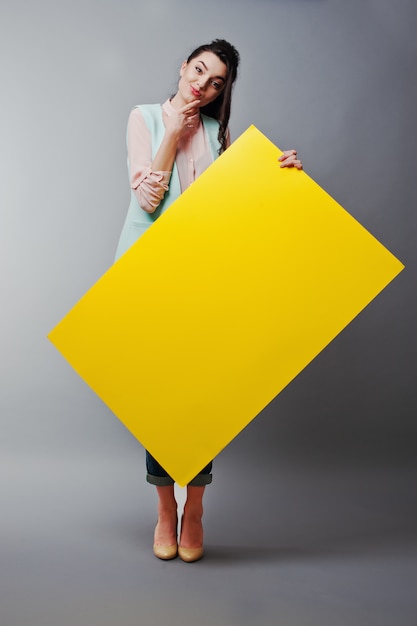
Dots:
(137, 220)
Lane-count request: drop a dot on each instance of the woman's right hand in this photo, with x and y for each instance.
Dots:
(183, 121)
(178, 125)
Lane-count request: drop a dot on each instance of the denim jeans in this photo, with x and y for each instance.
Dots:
(156, 475)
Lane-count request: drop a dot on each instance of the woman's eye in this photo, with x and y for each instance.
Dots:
(215, 85)
(198, 69)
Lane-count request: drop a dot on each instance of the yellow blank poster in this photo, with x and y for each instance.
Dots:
(221, 303)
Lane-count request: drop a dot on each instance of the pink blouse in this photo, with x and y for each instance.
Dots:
(193, 157)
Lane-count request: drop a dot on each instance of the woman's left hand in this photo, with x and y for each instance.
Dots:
(289, 159)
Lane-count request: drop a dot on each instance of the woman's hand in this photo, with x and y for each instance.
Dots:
(178, 125)
(289, 159)
(183, 121)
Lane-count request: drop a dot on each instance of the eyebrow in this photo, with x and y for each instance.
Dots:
(202, 63)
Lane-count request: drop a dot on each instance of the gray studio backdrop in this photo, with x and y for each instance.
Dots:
(336, 80)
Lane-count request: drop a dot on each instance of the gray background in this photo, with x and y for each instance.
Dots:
(311, 517)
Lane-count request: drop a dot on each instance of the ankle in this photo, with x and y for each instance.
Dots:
(165, 510)
(193, 511)
(166, 499)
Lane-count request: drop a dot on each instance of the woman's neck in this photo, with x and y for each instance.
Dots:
(177, 101)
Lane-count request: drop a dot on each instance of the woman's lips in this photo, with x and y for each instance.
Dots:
(195, 93)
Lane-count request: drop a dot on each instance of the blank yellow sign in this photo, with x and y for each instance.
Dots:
(221, 303)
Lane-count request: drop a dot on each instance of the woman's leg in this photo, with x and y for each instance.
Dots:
(165, 535)
(191, 526)
(191, 540)
(166, 527)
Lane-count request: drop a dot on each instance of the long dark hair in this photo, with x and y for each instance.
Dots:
(220, 107)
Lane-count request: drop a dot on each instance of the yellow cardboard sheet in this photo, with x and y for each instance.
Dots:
(229, 295)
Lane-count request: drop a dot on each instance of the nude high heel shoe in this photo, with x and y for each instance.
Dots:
(166, 553)
(189, 555)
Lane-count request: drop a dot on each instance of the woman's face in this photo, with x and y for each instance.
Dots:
(202, 79)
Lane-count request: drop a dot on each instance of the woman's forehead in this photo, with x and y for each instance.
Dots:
(212, 63)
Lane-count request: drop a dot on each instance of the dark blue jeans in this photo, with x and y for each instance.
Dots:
(156, 475)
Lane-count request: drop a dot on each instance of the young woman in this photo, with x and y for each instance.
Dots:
(169, 145)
